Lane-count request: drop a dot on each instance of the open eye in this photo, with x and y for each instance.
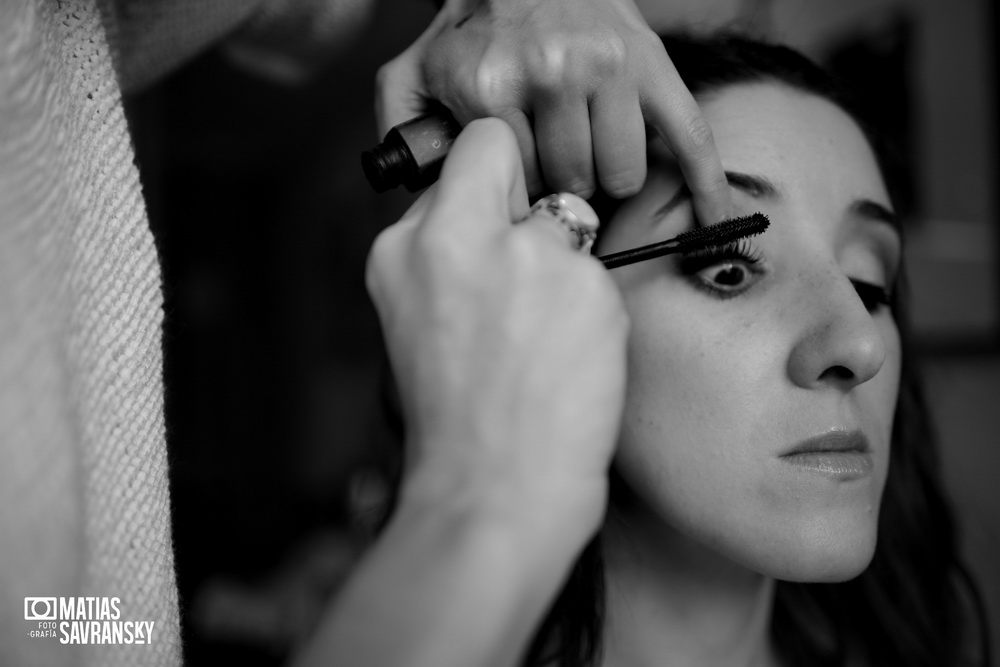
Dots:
(728, 276)
(724, 271)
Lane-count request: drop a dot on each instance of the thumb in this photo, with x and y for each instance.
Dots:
(481, 173)
(400, 93)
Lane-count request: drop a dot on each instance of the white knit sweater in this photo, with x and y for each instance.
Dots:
(84, 503)
(85, 506)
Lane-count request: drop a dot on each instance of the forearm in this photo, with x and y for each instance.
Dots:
(509, 435)
(453, 583)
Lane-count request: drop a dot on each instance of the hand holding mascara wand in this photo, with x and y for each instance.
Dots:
(412, 153)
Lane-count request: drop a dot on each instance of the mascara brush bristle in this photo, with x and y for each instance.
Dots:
(722, 233)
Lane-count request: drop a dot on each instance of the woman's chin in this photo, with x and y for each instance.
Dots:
(820, 561)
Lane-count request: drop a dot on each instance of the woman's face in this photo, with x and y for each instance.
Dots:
(763, 381)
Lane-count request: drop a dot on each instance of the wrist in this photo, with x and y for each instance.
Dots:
(561, 514)
(516, 548)
(458, 577)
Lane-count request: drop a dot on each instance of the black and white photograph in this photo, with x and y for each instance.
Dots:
(499, 333)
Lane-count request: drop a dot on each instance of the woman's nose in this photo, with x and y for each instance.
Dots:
(839, 344)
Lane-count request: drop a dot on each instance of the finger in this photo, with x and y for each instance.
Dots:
(529, 155)
(565, 150)
(398, 92)
(669, 107)
(481, 187)
(401, 91)
(619, 137)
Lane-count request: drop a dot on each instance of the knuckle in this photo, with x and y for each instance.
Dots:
(489, 87)
(610, 54)
(624, 183)
(699, 136)
(550, 62)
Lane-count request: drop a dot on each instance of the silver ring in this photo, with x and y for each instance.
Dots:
(573, 213)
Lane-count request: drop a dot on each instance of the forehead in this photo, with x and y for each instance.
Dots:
(795, 137)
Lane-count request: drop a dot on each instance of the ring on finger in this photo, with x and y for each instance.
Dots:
(574, 214)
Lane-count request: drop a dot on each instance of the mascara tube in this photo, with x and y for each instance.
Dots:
(411, 153)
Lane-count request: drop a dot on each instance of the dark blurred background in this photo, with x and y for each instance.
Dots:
(273, 358)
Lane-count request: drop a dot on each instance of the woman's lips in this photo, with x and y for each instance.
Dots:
(844, 455)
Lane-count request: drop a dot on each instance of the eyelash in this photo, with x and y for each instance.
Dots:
(738, 251)
(871, 295)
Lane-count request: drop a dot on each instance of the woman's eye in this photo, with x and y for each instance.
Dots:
(724, 271)
(728, 276)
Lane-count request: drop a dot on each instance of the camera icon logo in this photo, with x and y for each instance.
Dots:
(40, 609)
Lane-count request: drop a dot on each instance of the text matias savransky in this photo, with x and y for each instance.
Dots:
(85, 620)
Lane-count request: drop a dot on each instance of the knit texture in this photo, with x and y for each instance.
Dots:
(84, 502)
(84, 505)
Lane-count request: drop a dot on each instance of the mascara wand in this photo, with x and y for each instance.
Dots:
(412, 153)
(694, 240)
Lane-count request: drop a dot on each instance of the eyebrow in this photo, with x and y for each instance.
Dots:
(870, 210)
(757, 187)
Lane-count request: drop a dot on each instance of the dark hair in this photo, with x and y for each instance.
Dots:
(915, 604)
